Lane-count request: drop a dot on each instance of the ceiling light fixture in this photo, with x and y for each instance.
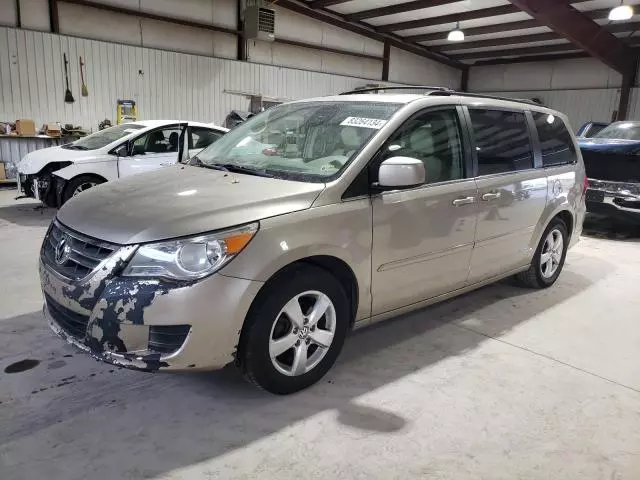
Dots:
(456, 35)
(622, 12)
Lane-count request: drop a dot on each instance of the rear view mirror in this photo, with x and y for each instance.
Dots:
(122, 150)
(401, 172)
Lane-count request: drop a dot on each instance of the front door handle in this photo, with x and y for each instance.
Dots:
(490, 196)
(458, 202)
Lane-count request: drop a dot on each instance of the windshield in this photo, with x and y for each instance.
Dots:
(620, 130)
(309, 142)
(103, 137)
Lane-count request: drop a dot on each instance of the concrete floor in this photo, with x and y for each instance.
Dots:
(502, 383)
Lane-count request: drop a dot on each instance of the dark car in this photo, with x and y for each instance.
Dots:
(612, 161)
(591, 129)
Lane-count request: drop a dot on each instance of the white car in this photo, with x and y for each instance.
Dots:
(53, 175)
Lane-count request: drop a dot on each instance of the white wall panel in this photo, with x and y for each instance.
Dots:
(561, 74)
(217, 12)
(293, 26)
(89, 22)
(405, 67)
(634, 104)
(579, 105)
(178, 38)
(312, 59)
(35, 14)
(164, 84)
(7, 13)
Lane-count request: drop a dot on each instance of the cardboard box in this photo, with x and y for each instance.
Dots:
(3, 173)
(26, 128)
(52, 130)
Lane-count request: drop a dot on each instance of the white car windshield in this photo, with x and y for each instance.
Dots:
(310, 141)
(103, 137)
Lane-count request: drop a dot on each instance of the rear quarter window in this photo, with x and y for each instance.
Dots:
(556, 143)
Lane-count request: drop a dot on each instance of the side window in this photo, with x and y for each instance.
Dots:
(555, 141)
(502, 141)
(433, 137)
(162, 140)
(202, 137)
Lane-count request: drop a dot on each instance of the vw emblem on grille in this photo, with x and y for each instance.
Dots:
(63, 249)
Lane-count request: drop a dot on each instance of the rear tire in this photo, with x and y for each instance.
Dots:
(548, 259)
(79, 184)
(284, 348)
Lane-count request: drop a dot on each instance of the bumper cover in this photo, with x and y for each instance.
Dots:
(614, 198)
(119, 312)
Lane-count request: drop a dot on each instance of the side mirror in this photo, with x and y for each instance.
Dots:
(401, 172)
(122, 150)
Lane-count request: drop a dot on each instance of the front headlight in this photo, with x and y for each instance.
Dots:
(189, 258)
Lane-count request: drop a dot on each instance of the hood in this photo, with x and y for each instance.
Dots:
(179, 201)
(607, 144)
(35, 161)
(611, 159)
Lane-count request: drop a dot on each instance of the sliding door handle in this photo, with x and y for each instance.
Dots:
(487, 197)
(458, 202)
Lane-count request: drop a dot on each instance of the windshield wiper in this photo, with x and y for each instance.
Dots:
(74, 147)
(232, 167)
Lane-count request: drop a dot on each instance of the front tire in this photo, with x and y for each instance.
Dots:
(78, 185)
(549, 257)
(295, 330)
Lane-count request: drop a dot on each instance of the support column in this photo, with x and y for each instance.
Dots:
(385, 61)
(464, 80)
(53, 16)
(628, 79)
(242, 42)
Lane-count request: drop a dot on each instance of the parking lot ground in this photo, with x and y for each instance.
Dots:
(501, 383)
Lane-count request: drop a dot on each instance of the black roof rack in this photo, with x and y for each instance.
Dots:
(440, 91)
(493, 97)
(397, 87)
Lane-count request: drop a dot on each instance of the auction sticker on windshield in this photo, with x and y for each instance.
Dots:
(363, 122)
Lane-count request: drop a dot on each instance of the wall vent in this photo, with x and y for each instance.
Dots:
(259, 23)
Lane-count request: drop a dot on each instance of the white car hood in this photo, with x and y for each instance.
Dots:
(35, 161)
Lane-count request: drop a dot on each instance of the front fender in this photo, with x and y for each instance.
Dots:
(107, 170)
(342, 231)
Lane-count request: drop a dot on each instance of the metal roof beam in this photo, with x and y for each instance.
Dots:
(368, 31)
(325, 3)
(581, 31)
(566, 47)
(540, 37)
(398, 8)
(499, 27)
(541, 50)
(449, 18)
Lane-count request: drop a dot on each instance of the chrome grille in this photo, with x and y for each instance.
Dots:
(84, 256)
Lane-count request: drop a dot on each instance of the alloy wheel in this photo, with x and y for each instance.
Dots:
(302, 333)
(551, 255)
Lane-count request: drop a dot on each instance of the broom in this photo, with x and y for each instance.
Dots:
(68, 97)
(85, 90)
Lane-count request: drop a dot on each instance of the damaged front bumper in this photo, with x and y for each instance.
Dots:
(147, 324)
(621, 199)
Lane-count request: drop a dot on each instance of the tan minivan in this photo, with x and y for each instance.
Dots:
(308, 220)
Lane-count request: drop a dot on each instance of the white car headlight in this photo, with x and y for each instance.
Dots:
(189, 258)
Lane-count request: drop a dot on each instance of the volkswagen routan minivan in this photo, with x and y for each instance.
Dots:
(311, 219)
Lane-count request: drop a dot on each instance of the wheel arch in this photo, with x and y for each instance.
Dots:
(561, 212)
(567, 217)
(333, 265)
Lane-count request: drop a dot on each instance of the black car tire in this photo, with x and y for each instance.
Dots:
(533, 277)
(253, 355)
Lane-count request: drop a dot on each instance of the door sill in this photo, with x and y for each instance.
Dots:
(439, 298)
